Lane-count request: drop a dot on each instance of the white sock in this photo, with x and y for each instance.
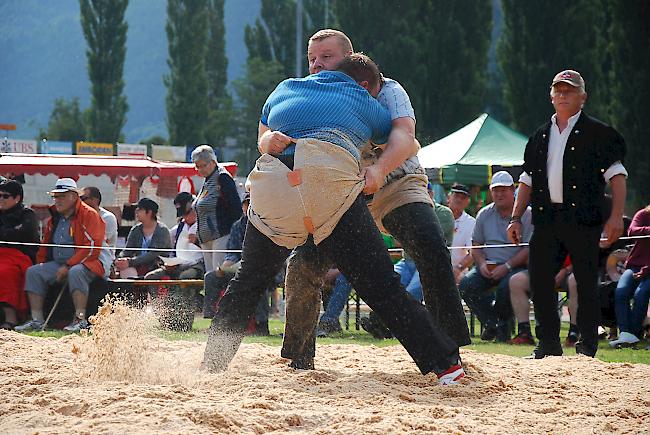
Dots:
(81, 314)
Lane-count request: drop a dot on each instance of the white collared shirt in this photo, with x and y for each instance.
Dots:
(463, 228)
(555, 160)
(107, 256)
(186, 250)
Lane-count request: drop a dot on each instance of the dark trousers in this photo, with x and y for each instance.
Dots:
(214, 285)
(357, 249)
(417, 228)
(549, 245)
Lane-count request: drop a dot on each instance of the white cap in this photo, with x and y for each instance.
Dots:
(64, 185)
(502, 178)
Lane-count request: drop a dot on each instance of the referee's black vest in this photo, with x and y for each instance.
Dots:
(592, 147)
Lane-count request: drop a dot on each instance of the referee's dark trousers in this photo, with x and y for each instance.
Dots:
(549, 245)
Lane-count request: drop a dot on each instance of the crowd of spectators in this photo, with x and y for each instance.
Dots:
(152, 250)
(493, 281)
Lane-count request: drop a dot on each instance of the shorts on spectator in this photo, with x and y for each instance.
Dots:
(564, 285)
(41, 276)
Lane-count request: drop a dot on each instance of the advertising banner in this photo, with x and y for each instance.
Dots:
(18, 146)
(131, 150)
(169, 153)
(95, 148)
(56, 147)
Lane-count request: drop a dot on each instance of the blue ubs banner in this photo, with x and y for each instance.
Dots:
(55, 147)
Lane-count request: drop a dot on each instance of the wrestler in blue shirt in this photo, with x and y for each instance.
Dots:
(329, 106)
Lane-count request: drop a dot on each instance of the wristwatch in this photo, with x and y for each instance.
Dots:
(508, 266)
(514, 219)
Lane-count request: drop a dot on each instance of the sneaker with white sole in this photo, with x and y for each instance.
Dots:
(452, 375)
(30, 325)
(77, 325)
(625, 339)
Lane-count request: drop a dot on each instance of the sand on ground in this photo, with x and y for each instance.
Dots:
(124, 379)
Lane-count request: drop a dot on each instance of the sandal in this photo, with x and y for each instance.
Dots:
(8, 326)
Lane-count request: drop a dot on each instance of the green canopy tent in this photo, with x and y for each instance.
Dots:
(467, 155)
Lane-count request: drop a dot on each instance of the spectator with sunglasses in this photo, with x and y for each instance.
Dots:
(17, 224)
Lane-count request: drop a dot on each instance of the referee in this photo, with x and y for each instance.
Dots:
(567, 163)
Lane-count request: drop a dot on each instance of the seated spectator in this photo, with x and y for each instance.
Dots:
(634, 284)
(185, 242)
(495, 266)
(72, 223)
(458, 201)
(148, 234)
(520, 300)
(93, 197)
(17, 224)
(217, 280)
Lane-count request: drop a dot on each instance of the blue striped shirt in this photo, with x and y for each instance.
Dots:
(328, 106)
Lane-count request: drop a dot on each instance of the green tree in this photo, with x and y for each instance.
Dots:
(219, 100)
(104, 28)
(253, 88)
(630, 38)
(443, 63)
(187, 81)
(541, 38)
(66, 122)
(273, 36)
(156, 139)
(319, 14)
(271, 58)
(271, 44)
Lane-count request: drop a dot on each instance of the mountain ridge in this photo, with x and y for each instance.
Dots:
(44, 58)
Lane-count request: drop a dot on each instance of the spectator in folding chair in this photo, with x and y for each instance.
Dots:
(17, 224)
(634, 284)
(150, 235)
(73, 223)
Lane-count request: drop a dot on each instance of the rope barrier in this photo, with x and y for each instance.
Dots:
(53, 245)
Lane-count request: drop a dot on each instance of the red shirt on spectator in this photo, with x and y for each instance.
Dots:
(640, 254)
